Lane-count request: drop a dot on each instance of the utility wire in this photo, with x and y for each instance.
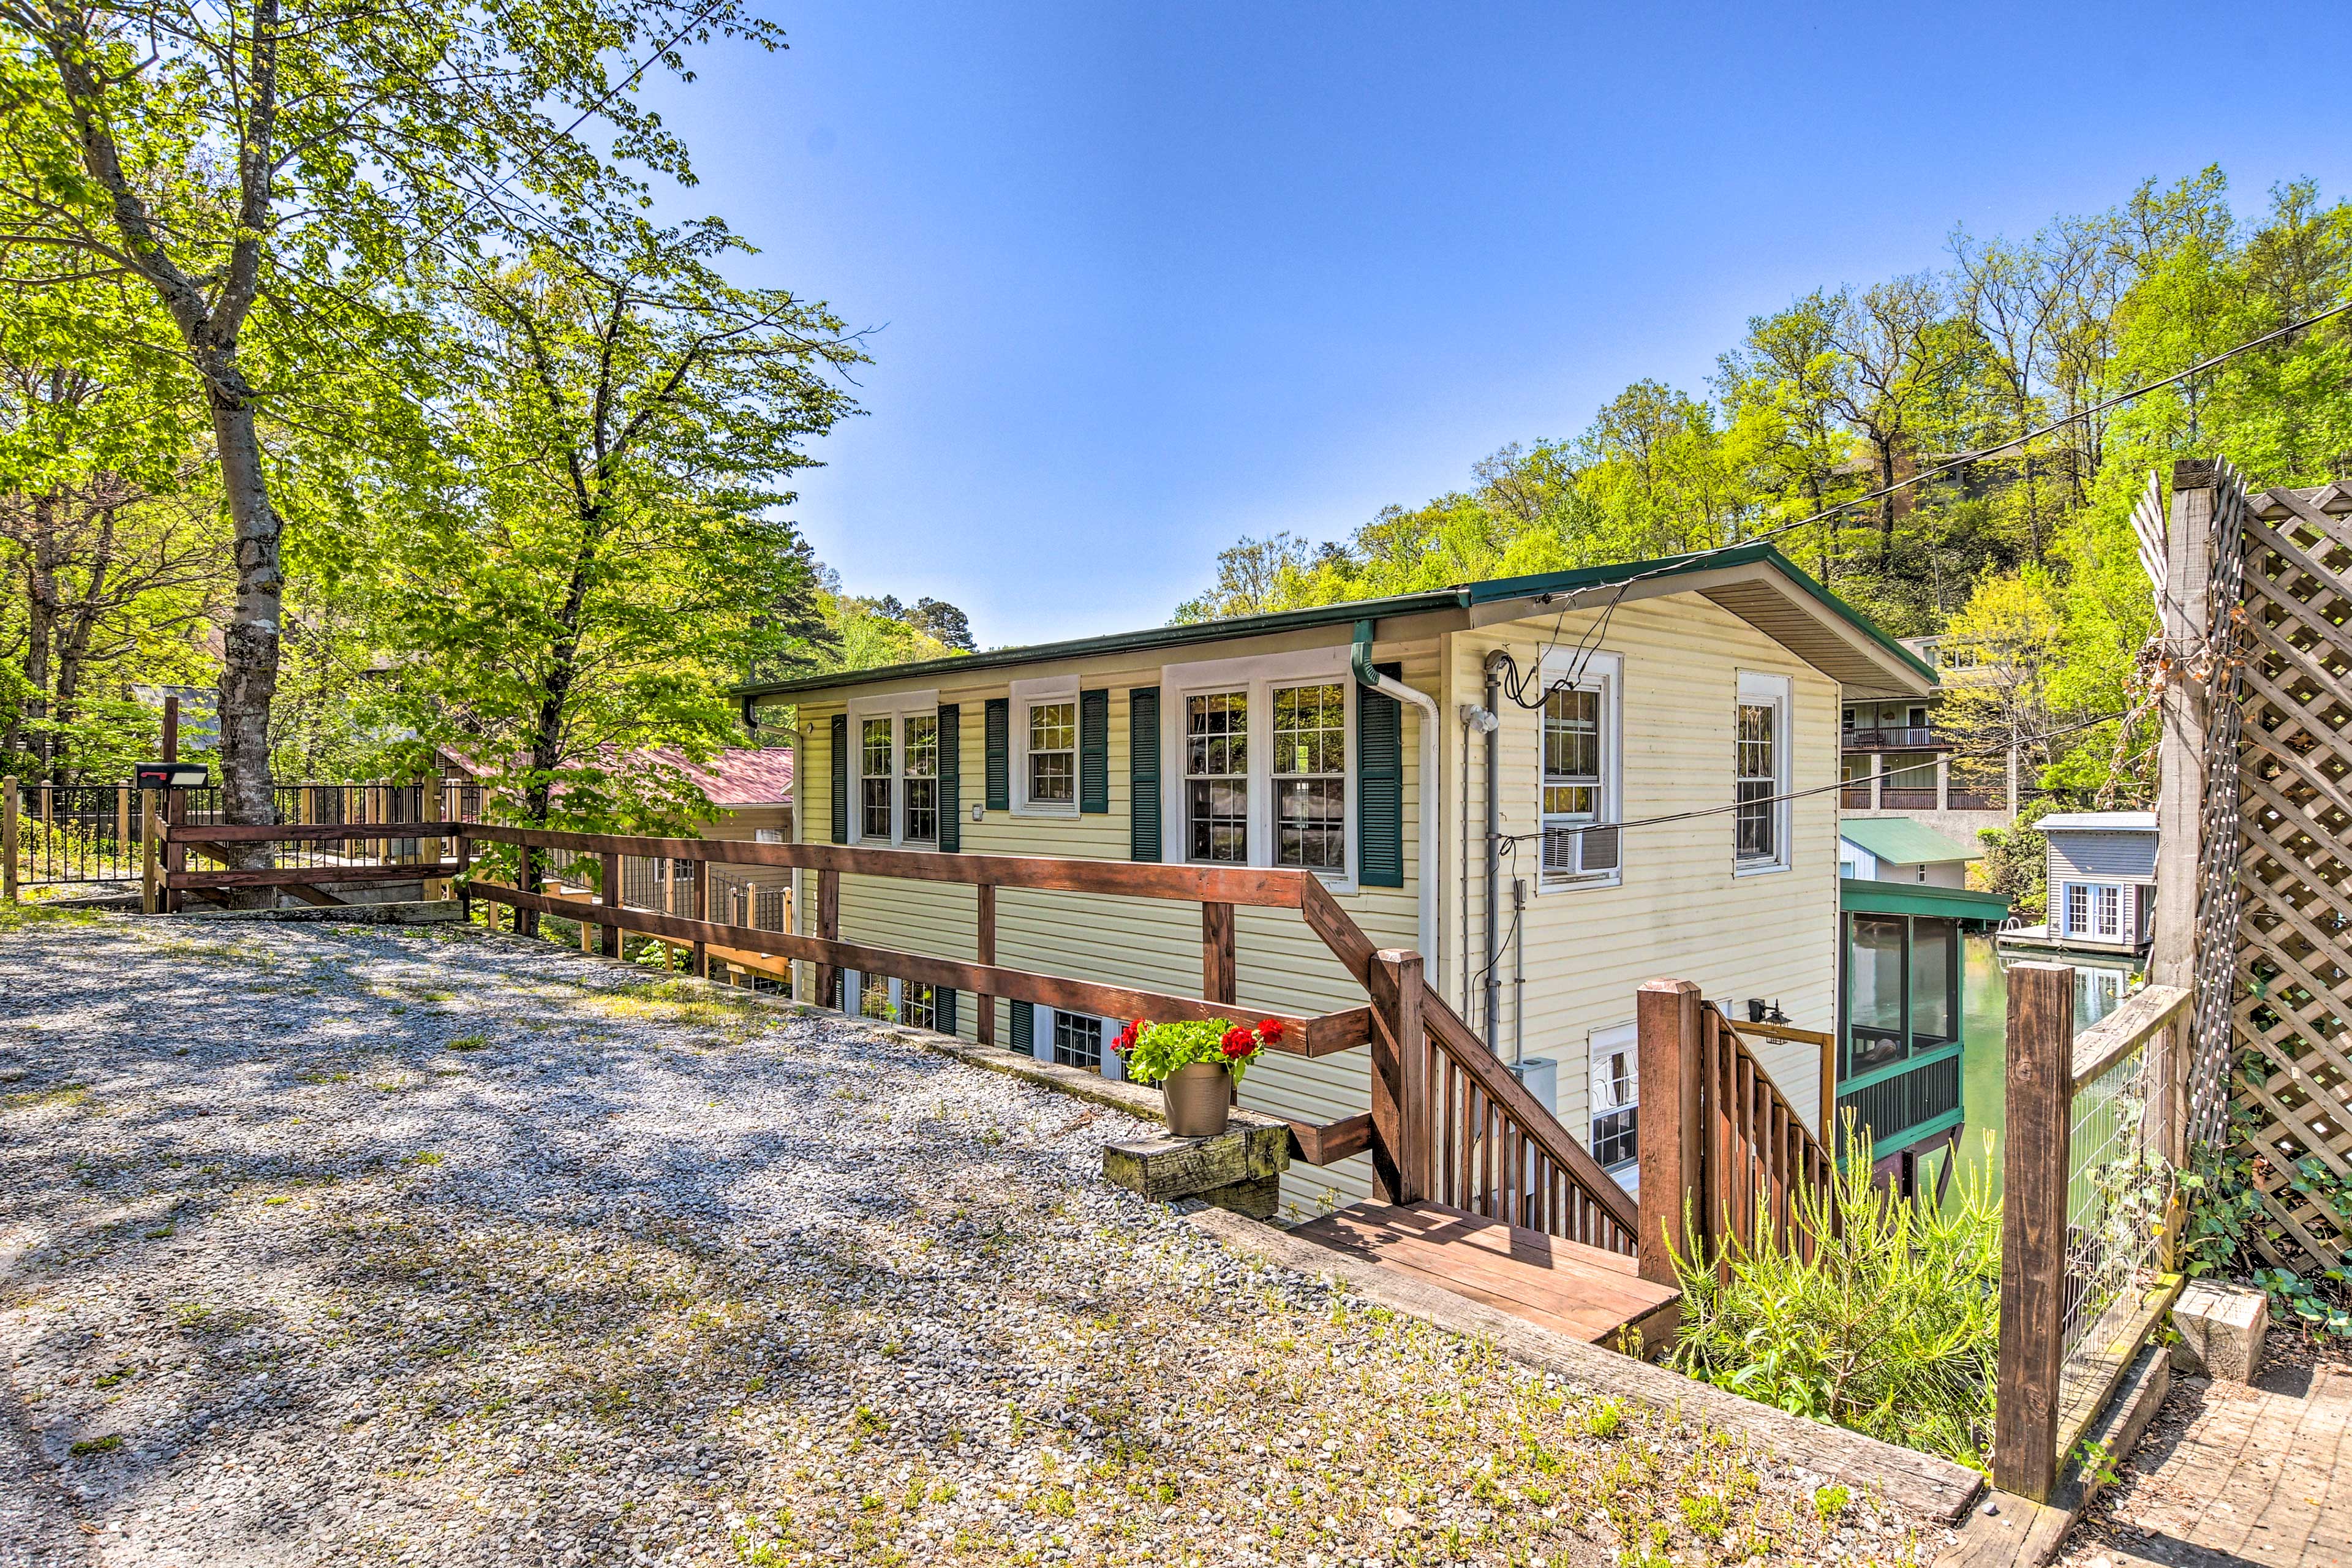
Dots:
(1515, 838)
(1680, 562)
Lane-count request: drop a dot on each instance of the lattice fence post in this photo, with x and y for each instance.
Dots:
(2289, 997)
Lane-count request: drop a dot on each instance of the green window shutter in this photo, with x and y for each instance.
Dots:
(944, 1005)
(1024, 1029)
(1143, 773)
(1000, 743)
(1094, 751)
(1379, 785)
(951, 781)
(841, 778)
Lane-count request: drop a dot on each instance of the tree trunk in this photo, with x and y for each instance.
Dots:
(1885, 501)
(547, 725)
(249, 679)
(40, 629)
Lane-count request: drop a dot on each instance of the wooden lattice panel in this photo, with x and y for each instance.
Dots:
(2293, 997)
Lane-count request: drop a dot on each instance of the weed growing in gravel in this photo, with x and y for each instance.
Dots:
(106, 1444)
(75, 1095)
(470, 1043)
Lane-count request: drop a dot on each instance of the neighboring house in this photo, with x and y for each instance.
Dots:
(1899, 849)
(1906, 904)
(2101, 875)
(751, 794)
(1637, 707)
(1897, 759)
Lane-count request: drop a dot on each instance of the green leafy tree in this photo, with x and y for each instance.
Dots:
(279, 177)
(604, 561)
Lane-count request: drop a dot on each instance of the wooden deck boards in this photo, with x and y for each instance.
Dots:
(1582, 1291)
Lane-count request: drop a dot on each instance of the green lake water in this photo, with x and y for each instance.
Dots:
(1984, 1077)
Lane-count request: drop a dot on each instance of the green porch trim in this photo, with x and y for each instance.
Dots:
(1868, 898)
(1541, 588)
(1887, 1143)
(1896, 1069)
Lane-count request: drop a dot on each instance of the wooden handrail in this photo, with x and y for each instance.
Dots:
(1308, 1037)
(2145, 1013)
(312, 832)
(1727, 1145)
(1448, 1120)
(1467, 1053)
(1263, 888)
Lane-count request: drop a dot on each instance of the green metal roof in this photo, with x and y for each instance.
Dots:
(1904, 841)
(1459, 597)
(1864, 898)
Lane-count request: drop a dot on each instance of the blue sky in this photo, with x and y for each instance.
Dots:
(1145, 279)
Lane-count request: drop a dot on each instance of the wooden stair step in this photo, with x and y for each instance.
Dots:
(1586, 1293)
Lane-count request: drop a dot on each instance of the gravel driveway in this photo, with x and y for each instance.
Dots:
(372, 1243)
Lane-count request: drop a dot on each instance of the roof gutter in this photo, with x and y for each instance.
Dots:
(1360, 661)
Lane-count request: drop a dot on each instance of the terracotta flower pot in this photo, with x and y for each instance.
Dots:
(1198, 1096)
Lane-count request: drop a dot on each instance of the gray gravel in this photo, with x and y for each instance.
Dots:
(367, 1243)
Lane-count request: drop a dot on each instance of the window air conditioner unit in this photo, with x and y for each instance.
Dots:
(1591, 851)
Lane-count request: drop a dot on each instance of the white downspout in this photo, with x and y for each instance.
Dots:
(1428, 784)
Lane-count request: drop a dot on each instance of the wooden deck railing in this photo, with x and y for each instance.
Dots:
(1447, 1122)
(2095, 1129)
(1450, 1124)
(1722, 1148)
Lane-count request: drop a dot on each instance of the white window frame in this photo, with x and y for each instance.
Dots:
(2067, 924)
(1604, 673)
(898, 707)
(1027, 694)
(1257, 675)
(1601, 1045)
(1757, 688)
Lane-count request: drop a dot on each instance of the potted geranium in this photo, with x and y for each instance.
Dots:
(1198, 1064)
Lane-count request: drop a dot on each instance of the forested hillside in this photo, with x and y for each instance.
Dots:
(1856, 387)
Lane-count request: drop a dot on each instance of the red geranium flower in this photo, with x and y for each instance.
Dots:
(1269, 1030)
(1128, 1036)
(1239, 1042)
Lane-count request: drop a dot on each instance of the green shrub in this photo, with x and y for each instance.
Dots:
(1892, 1328)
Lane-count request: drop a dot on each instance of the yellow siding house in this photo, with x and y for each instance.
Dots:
(1555, 787)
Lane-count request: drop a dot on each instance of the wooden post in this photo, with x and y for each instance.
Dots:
(8, 838)
(2034, 1227)
(2181, 747)
(828, 929)
(151, 878)
(1667, 1026)
(1399, 1051)
(464, 882)
(610, 936)
(175, 811)
(1219, 979)
(986, 953)
(428, 809)
(700, 910)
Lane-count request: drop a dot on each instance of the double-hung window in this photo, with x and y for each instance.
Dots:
(1310, 776)
(919, 789)
(1052, 753)
(1045, 745)
(1216, 777)
(897, 756)
(1616, 1123)
(1263, 747)
(1760, 816)
(874, 782)
(1582, 841)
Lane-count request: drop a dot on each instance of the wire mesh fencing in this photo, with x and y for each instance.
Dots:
(2119, 1188)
